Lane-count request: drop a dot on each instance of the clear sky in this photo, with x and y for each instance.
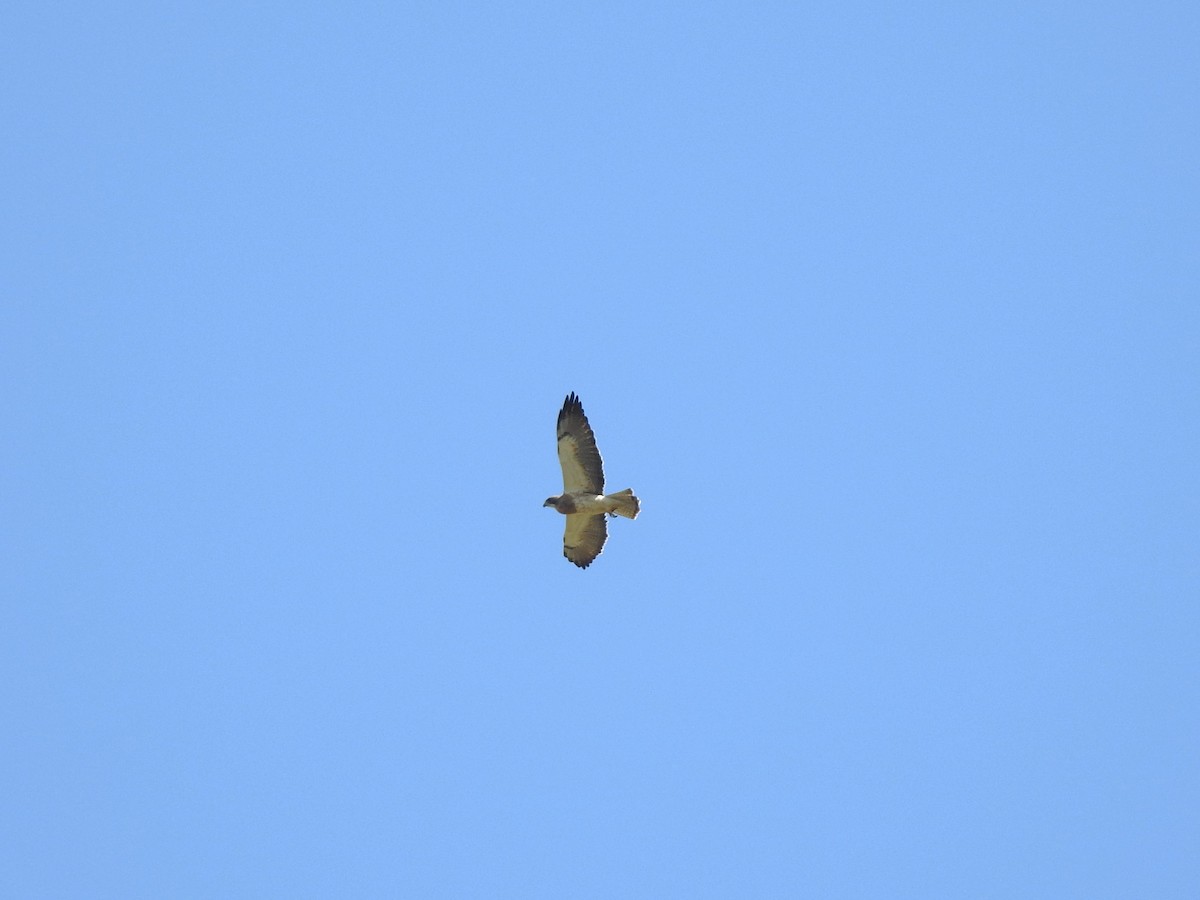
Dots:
(890, 313)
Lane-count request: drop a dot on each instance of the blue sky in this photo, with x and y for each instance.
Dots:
(887, 311)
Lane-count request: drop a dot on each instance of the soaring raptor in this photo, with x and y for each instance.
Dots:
(583, 501)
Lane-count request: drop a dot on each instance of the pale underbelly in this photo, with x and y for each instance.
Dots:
(590, 504)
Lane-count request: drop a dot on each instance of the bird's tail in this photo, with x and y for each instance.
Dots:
(625, 504)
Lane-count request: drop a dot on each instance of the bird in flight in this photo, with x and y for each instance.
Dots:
(583, 500)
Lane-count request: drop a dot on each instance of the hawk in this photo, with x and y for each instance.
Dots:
(583, 501)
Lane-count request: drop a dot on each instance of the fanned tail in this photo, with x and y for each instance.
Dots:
(625, 503)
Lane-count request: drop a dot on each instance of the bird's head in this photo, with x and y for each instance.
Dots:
(551, 501)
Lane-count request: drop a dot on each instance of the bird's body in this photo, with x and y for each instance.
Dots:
(583, 500)
(588, 504)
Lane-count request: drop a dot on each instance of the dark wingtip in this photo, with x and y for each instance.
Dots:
(582, 565)
(570, 406)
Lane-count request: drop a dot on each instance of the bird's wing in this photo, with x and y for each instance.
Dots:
(577, 453)
(584, 539)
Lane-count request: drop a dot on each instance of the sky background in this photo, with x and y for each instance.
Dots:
(888, 312)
